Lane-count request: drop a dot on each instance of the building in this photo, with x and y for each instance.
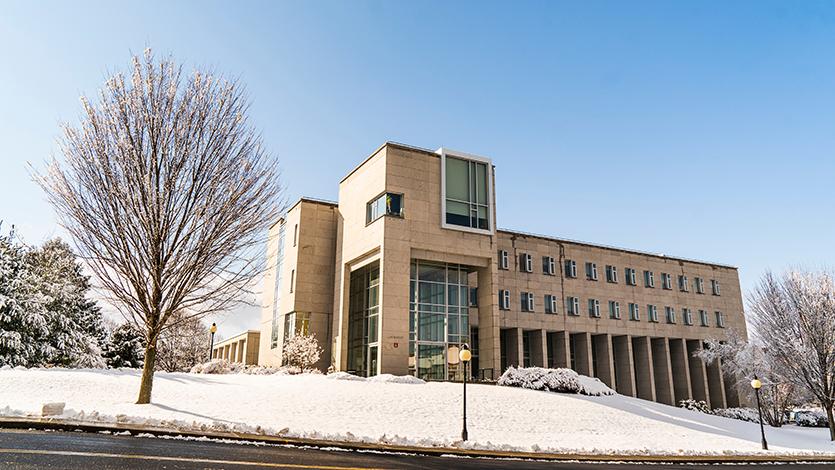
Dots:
(409, 264)
(242, 348)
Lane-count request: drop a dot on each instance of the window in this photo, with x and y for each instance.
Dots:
(594, 308)
(666, 281)
(527, 302)
(549, 266)
(504, 299)
(631, 278)
(384, 204)
(550, 303)
(703, 318)
(570, 268)
(649, 279)
(614, 310)
(467, 201)
(295, 234)
(611, 274)
(473, 296)
(700, 285)
(720, 319)
(292, 280)
(277, 289)
(688, 316)
(683, 284)
(572, 305)
(714, 284)
(634, 312)
(296, 323)
(652, 313)
(591, 271)
(670, 314)
(526, 262)
(503, 259)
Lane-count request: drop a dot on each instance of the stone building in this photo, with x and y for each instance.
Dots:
(409, 264)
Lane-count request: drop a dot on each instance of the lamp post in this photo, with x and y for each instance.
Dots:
(465, 355)
(213, 329)
(756, 385)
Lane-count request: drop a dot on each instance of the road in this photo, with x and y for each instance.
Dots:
(25, 450)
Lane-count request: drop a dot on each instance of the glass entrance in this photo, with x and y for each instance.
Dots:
(363, 321)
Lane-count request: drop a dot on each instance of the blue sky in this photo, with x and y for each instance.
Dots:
(702, 130)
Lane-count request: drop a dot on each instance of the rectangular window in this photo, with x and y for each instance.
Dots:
(611, 274)
(292, 280)
(649, 279)
(527, 302)
(687, 314)
(714, 284)
(526, 263)
(591, 271)
(503, 259)
(720, 319)
(670, 314)
(549, 266)
(614, 310)
(631, 277)
(384, 204)
(572, 306)
(634, 312)
(550, 303)
(295, 234)
(700, 285)
(703, 318)
(683, 284)
(570, 268)
(504, 299)
(467, 199)
(652, 313)
(594, 308)
(666, 281)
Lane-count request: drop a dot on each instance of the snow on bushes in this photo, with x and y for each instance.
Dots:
(811, 418)
(553, 380)
(694, 405)
(382, 378)
(222, 366)
(742, 414)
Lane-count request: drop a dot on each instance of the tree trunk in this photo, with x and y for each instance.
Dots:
(831, 422)
(147, 374)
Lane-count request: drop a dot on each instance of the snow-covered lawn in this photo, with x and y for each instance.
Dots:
(315, 406)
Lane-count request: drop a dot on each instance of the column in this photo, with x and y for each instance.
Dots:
(681, 369)
(520, 347)
(732, 399)
(642, 362)
(698, 372)
(539, 348)
(624, 369)
(560, 349)
(605, 362)
(581, 348)
(662, 372)
(489, 336)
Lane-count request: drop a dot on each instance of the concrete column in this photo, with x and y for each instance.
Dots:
(681, 369)
(698, 372)
(241, 345)
(226, 352)
(624, 368)
(602, 345)
(662, 372)
(539, 348)
(642, 362)
(560, 350)
(581, 347)
(520, 347)
(732, 399)
(512, 344)
(489, 336)
(716, 386)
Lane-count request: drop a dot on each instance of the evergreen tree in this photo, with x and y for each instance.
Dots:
(125, 347)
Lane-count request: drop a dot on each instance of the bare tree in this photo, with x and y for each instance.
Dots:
(167, 192)
(794, 318)
(184, 344)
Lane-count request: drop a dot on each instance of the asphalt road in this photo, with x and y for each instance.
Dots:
(20, 449)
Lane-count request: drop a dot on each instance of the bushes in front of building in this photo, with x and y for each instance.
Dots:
(812, 418)
(222, 366)
(553, 380)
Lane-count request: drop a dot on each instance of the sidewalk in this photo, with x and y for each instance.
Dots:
(134, 429)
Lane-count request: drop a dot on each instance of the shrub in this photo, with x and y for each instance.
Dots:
(811, 418)
(742, 414)
(538, 378)
(301, 351)
(694, 405)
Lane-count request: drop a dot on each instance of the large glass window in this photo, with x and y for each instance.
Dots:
(467, 193)
(363, 323)
(385, 204)
(438, 319)
(277, 292)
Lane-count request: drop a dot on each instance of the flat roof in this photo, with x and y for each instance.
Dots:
(312, 200)
(613, 248)
(387, 143)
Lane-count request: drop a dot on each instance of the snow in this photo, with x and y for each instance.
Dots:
(385, 411)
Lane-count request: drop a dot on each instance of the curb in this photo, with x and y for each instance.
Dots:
(86, 426)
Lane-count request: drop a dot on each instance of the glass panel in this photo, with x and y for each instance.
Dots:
(481, 183)
(394, 204)
(431, 293)
(464, 298)
(453, 324)
(431, 327)
(431, 362)
(372, 329)
(457, 213)
(372, 359)
(453, 296)
(457, 179)
(432, 272)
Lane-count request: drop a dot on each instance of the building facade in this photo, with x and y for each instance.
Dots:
(409, 264)
(242, 348)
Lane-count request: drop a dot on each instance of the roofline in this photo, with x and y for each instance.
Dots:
(312, 200)
(615, 248)
(385, 144)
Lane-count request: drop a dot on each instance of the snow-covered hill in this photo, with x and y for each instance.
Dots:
(427, 414)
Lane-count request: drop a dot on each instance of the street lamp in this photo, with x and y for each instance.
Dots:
(213, 329)
(756, 385)
(465, 355)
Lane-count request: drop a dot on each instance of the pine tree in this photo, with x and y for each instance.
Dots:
(125, 347)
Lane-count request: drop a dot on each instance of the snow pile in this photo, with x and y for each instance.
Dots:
(365, 410)
(382, 378)
(553, 380)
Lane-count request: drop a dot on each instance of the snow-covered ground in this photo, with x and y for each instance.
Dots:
(315, 406)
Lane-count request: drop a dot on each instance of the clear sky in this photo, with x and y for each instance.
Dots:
(704, 130)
